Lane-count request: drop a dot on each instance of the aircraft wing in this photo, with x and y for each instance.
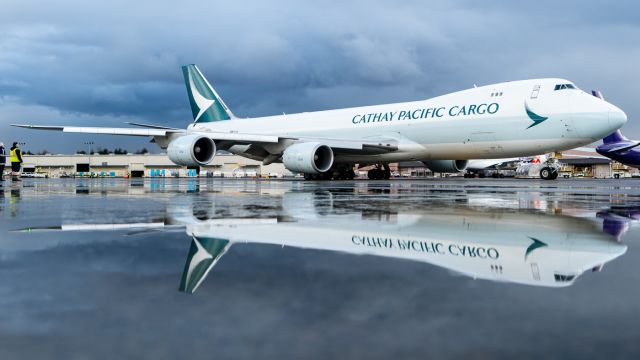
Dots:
(366, 145)
(355, 145)
(384, 144)
(102, 130)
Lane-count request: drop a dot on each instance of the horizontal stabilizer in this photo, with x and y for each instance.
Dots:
(618, 147)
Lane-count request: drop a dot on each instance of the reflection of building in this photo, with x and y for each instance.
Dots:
(146, 166)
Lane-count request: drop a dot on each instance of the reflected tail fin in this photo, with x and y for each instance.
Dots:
(203, 255)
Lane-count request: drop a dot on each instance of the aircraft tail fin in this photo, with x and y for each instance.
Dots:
(614, 138)
(206, 105)
(204, 254)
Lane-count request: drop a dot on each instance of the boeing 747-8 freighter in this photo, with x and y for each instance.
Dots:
(511, 119)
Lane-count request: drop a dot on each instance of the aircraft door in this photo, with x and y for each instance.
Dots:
(535, 92)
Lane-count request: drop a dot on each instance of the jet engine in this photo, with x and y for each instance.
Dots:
(191, 150)
(446, 166)
(308, 157)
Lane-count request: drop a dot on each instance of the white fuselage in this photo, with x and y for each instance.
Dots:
(484, 122)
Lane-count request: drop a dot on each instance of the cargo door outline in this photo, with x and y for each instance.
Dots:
(485, 141)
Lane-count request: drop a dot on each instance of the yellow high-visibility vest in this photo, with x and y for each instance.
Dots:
(14, 156)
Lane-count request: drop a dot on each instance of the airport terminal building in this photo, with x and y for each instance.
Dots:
(147, 165)
(233, 166)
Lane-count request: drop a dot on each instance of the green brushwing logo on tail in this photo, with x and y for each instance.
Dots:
(203, 255)
(206, 105)
(537, 119)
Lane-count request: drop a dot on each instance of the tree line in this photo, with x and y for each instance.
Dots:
(98, 150)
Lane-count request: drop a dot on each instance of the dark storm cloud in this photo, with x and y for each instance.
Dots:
(101, 64)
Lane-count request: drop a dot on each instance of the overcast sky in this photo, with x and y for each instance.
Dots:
(104, 63)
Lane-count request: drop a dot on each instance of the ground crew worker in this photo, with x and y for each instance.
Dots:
(15, 156)
(3, 161)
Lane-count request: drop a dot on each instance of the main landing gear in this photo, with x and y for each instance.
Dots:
(379, 173)
(343, 172)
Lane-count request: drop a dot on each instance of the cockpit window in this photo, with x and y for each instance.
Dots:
(563, 278)
(564, 86)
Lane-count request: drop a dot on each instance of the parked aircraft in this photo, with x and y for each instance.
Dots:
(617, 147)
(510, 119)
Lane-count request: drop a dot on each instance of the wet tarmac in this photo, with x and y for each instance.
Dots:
(236, 269)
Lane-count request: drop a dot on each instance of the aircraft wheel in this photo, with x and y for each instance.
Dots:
(351, 174)
(386, 174)
(545, 173)
(554, 174)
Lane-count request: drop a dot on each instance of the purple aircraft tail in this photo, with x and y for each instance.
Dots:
(614, 138)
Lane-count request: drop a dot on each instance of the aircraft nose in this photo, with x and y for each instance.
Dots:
(617, 118)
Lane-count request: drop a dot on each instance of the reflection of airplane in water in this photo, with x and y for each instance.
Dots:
(510, 245)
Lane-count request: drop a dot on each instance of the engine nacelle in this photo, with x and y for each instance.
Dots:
(446, 166)
(191, 150)
(309, 157)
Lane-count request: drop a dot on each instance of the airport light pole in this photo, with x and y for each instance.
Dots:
(90, 143)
